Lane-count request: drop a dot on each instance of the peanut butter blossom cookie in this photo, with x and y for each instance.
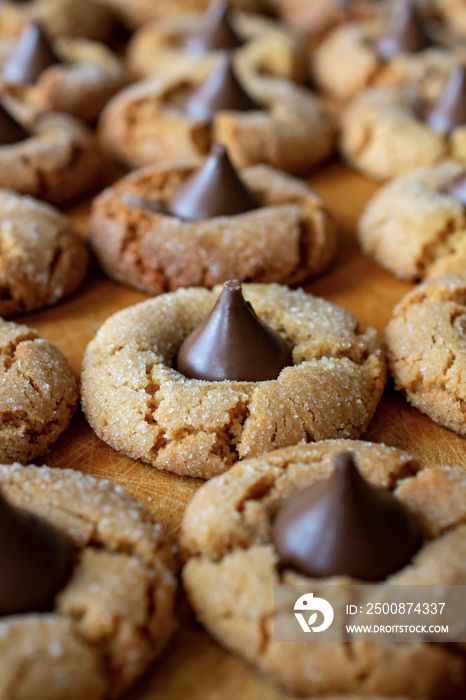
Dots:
(400, 50)
(38, 393)
(258, 118)
(87, 586)
(415, 226)
(174, 43)
(316, 17)
(70, 75)
(138, 12)
(58, 17)
(51, 155)
(43, 257)
(194, 380)
(387, 132)
(426, 349)
(176, 224)
(337, 511)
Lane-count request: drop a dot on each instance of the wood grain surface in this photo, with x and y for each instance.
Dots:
(194, 666)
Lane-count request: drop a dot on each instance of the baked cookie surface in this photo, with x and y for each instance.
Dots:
(156, 252)
(141, 406)
(38, 393)
(383, 137)
(115, 613)
(232, 566)
(43, 256)
(414, 228)
(268, 49)
(145, 123)
(426, 349)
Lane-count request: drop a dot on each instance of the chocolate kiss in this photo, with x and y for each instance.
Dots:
(405, 33)
(214, 190)
(11, 131)
(221, 91)
(343, 526)
(233, 343)
(457, 188)
(216, 33)
(450, 110)
(35, 561)
(31, 55)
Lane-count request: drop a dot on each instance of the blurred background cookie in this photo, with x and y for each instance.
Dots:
(415, 226)
(49, 155)
(70, 75)
(58, 17)
(259, 120)
(43, 257)
(426, 349)
(260, 44)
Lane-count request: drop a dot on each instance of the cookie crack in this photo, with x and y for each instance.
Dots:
(439, 248)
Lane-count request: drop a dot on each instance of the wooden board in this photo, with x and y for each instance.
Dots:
(194, 666)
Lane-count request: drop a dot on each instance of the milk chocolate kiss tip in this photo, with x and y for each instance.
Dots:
(405, 32)
(35, 561)
(344, 526)
(216, 32)
(11, 131)
(220, 92)
(214, 190)
(450, 110)
(232, 343)
(31, 55)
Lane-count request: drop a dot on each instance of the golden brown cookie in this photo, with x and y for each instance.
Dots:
(57, 162)
(138, 12)
(268, 49)
(426, 349)
(156, 252)
(113, 616)
(316, 17)
(383, 137)
(415, 229)
(145, 123)
(226, 543)
(38, 393)
(140, 405)
(43, 257)
(347, 62)
(58, 17)
(87, 77)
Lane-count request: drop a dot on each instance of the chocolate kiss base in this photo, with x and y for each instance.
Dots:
(31, 55)
(35, 561)
(450, 110)
(214, 190)
(232, 343)
(11, 131)
(221, 91)
(344, 526)
(404, 34)
(216, 33)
